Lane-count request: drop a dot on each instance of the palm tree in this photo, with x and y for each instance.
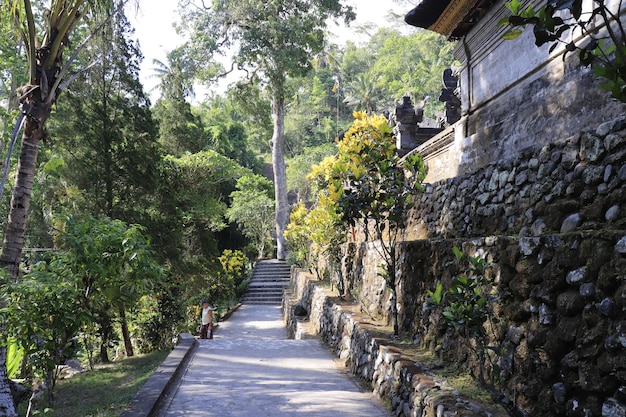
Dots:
(363, 94)
(48, 74)
(175, 75)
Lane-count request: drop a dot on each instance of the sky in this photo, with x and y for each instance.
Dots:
(154, 21)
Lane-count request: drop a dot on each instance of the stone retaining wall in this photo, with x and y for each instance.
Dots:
(408, 387)
(581, 179)
(552, 223)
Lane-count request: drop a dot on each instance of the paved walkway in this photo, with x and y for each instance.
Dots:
(250, 369)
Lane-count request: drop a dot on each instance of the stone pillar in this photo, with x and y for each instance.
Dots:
(405, 130)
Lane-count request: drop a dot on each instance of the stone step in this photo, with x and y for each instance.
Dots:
(262, 266)
(274, 297)
(266, 289)
(269, 279)
(274, 287)
(258, 302)
(273, 293)
(272, 274)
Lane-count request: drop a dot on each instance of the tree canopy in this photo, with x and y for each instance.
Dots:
(127, 213)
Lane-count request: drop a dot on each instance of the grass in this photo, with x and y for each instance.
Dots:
(103, 392)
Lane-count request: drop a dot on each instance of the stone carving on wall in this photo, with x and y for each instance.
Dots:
(451, 96)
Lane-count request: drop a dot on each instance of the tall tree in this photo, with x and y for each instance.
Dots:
(110, 139)
(274, 39)
(181, 130)
(47, 69)
(110, 144)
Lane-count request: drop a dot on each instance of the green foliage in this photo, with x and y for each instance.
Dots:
(159, 318)
(108, 150)
(180, 130)
(468, 300)
(114, 264)
(252, 208)
(275, 39)
(301, 165)
(298, 238)
(235, 265)
(253, 106)
(192, 206)
(468, 306)
(379, 188)
(44, 312)
(15, 355)
(227, 131)
(559, 22)
(369, 185)
(381, 72)
(113, 260)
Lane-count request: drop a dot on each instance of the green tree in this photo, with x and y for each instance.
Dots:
(275, 40)
(115, 265)
(186, 227)
(45, 311)
(254, 107)
(313, 115)
(412, 63)
(227, 130)
(109, 150)
(252, 209)
(371, 187)
(11, 76)
(391, 64)
(235, 265)
(363, 93)
(46, 36)
(180, 130)
(300, 166)
(193, 195)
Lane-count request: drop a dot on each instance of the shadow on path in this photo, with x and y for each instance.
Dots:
(251, 369)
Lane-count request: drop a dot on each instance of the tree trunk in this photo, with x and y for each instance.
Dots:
(280, 175)
(128, 346)
(106, 331)
(393, 284)
(15, 231)
(20, 200)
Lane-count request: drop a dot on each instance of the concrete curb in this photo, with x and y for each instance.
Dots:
(146, 402)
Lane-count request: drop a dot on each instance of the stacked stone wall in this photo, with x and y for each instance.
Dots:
(407, 387)
(551, 221)
(582, 176)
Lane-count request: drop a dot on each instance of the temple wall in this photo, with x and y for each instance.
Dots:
(515, 96)
(551, 221)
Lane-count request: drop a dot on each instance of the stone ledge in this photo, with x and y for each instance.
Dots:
(147, 401)
(408, 387)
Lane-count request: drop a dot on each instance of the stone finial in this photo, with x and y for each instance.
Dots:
(450, 96)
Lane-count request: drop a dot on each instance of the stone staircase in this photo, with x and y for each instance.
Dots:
(268, 281)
